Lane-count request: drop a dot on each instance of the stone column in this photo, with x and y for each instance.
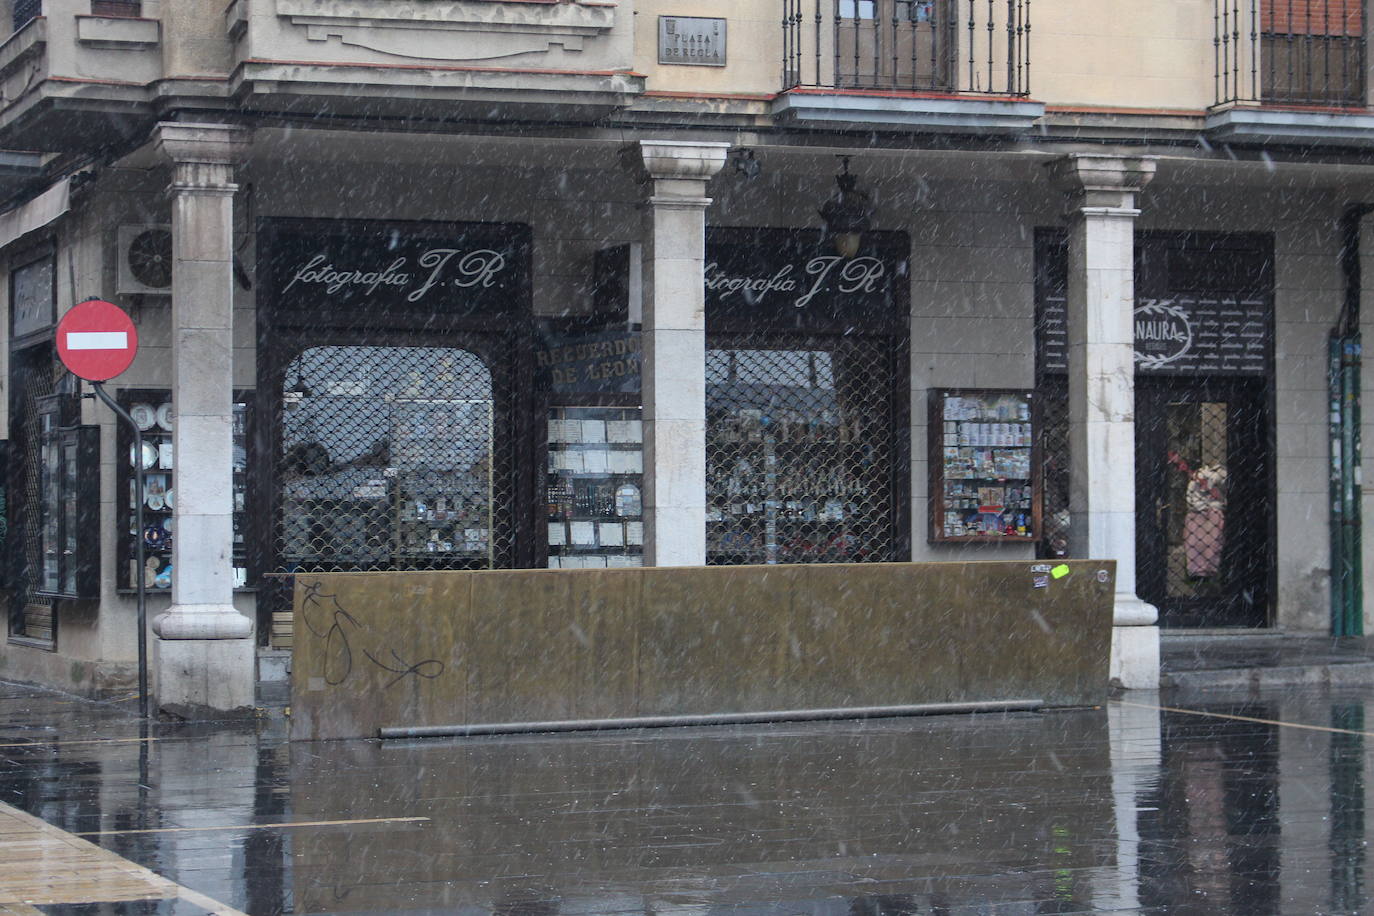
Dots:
(674, 346)
(1101, 303)
(204, 654)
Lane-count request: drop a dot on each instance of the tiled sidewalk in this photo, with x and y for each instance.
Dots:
(42, 866)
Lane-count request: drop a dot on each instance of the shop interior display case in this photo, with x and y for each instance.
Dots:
(151, 409)
(595, 487)
(982, 456)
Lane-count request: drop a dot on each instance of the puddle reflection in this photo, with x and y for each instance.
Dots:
(1126, 809)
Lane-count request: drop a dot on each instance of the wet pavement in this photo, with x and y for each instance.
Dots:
(1194, 804)
(1264, 658)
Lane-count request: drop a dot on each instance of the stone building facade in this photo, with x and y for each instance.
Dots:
(471, 283)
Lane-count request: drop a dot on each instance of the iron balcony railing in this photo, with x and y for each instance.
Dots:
(1290, 52)
(963, 46)
(24, 10)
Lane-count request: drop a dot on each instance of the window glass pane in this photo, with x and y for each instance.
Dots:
(50, 503)
(69, 518)
(856, 9)
(798, 453)
(386, 459)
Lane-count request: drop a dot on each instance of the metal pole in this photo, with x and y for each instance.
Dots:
(141, 572)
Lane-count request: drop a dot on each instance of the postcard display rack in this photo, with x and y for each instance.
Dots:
(981, 485)
(152, 410)
(595, 487)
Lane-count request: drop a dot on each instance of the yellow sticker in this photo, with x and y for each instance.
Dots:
(1060, 571)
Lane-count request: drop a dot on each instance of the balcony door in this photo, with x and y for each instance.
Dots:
(895, 44)
(1312, 52)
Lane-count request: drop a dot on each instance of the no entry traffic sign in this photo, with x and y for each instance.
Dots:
(96, 340)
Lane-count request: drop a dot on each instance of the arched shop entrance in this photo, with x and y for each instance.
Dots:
(388, 354)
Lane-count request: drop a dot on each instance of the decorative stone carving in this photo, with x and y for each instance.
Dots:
(461, 30)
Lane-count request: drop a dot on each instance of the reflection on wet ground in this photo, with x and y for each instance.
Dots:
(1128, 809)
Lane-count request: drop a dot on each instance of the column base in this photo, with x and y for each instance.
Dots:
(1135, 658)
(202, 621)
(204, 678)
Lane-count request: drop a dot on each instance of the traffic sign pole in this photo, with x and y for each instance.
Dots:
(141, 575)
(96, 340)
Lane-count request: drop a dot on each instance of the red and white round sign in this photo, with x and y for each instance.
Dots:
(96, 340)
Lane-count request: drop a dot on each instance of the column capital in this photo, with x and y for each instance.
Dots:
(203, 156)
(677, 159)
(1100, 182)
(676, 171)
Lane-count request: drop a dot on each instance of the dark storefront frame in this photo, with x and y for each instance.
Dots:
(862, 331)
(493, 322)
(1174, 264)
(36, 379)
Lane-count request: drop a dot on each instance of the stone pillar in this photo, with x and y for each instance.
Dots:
(1101, 303)
(205, 653)
(674, 347)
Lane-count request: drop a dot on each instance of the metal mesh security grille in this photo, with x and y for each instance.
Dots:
(1052, 429)
(799, 451)
(385, 462)
(1191, 511)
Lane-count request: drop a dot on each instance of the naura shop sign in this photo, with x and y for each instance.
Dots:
(796, 278)
(1181, 335)
(478, 268)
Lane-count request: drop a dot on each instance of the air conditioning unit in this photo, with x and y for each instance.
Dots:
(145, 260)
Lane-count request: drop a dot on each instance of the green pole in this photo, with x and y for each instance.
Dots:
(1335, 504)
(1347, 567)
(1351, 516)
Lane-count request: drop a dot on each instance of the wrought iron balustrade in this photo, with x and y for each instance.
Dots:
(23, 11)
(1291, 52)
(117, 8)
(954, 46)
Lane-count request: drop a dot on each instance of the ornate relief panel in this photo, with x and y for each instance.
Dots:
(456, 30)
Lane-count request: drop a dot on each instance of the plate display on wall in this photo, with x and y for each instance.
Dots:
(149, 455)
(144, 416)
(164, 417)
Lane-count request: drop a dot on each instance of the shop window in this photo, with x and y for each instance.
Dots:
(385, 461)
(32, 297)
(799, 452)
(595, 487)
(52, 543)
(151, 409)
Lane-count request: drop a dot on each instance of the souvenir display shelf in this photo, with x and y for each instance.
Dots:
(982, 452)
(151, 409)
(595, 487)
